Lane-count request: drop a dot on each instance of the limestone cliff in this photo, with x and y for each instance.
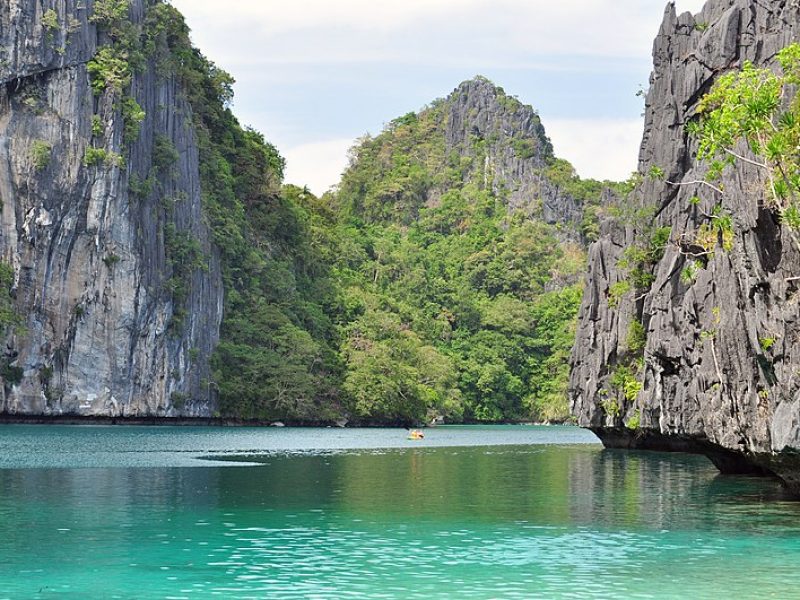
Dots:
(510, 138)
(459, 220)
(480, 135)
(704, 359)
(92, 207)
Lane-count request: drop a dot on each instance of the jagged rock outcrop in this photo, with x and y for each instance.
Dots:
(515, 150)
(89, 236)
(720, 346)
(468, 236)
(477, 135)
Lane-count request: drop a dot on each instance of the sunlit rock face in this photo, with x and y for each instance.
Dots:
(721, 353)
(101, 332)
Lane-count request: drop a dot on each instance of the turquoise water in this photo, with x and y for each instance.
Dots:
(483, 512)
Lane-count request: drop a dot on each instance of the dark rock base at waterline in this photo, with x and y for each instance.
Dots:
(69, 419)
(18, 419)
(783, 466)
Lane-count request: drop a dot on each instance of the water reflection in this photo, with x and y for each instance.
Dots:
(542, 485)
(478, 522)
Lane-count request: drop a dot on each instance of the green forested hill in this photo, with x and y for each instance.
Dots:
(460, 297)
(441, 278)
(278, 355)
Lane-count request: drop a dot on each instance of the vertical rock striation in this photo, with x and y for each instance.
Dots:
(89, 239)
(721, 356)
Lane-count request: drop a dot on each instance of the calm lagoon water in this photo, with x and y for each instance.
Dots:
(470, 512)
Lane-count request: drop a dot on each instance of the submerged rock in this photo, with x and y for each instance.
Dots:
(720, 345)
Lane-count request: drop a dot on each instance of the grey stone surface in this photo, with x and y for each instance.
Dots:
(710, 385)
(89, 256)
(28, 46)
(479, 110)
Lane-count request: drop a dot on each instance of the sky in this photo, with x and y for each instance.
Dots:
(315, 75)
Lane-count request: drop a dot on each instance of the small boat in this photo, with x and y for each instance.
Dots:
(415, 434)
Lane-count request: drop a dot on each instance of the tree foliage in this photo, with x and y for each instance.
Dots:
(463, 277)
(8, 314)
(747, 108)
(278, 356)
(382, 301)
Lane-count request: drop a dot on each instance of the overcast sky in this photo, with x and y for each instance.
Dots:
(313, 75)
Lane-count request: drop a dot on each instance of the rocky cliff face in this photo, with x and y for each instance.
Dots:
(704, 359)
(464, 258)
(91, 212)
(514, 148)
(481, 136)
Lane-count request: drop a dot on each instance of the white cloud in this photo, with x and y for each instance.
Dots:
(279, 16)
(287, 52)
(427, 32)
(693, 6)
(319, 165)
(598, 149)
(596, 28)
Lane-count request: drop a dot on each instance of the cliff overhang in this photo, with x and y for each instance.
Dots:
(697, 354)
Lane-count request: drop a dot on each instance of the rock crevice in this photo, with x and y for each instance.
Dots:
(718, 368)
(101, 334)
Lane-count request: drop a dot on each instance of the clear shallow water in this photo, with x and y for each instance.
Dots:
(23, 446)
(503, 512)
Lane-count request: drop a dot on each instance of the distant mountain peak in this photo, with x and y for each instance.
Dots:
(479, 81)
(486, 88)
(477, 136)
(479, 108)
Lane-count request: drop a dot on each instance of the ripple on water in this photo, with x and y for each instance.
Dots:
(549, 521)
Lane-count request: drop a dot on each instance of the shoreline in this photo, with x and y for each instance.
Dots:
(78, 420)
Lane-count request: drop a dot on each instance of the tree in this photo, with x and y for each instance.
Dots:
(747, 106)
